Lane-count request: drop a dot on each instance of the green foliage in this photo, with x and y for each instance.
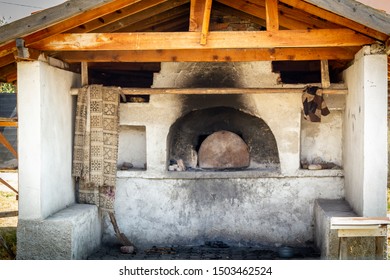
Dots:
(388, 202)
(7, 88)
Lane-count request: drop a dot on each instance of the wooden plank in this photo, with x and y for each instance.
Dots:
(6, 144)
(334, 18)
(357, 12)
(364, 232)
(196, 91)
(325, 79)
(272, 15)
(349, 221)
(205, 22)
(216, 40)
(216, 55)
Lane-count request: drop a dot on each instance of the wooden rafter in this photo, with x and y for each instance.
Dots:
(5, 60)
(272, 15)
(113, 17)
(7, 73)
(216, 40)
(166, 20)
(216, 55)
(288, 18)
(153, 14)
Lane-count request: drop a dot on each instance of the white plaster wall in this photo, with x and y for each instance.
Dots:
(237, 211)
(45, 110)
(365, 134)
(323, 141)
(132, 146)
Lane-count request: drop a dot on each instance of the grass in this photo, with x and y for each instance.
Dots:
(388, 200)
(8, 203)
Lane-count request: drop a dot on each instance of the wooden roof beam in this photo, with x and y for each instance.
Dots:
(207, 55)
(272, 15)
(216, 40)
(334, 18)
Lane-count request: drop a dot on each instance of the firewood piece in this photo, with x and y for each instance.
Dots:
(121, 236)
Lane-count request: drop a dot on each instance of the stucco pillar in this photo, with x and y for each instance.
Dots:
(45, 110)
(365, 133)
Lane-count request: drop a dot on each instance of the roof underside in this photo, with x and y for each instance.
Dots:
(102, 31)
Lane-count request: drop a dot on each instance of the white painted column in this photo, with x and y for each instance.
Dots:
(365, 134)
(45, 136)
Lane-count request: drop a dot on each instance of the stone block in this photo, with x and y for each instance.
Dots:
(72, 233)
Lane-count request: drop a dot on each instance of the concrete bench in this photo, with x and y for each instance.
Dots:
(72, 233)
(341, 234)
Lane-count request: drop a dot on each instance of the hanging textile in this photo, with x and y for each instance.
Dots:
(96, 145)
(314, 104)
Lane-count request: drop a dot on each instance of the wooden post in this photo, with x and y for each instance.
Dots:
(84, 73)
(206, 22)
(325, 79)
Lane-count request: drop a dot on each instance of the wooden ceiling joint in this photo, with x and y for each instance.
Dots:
(190, 40)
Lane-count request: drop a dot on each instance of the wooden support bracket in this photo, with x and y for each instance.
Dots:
(23, 53)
